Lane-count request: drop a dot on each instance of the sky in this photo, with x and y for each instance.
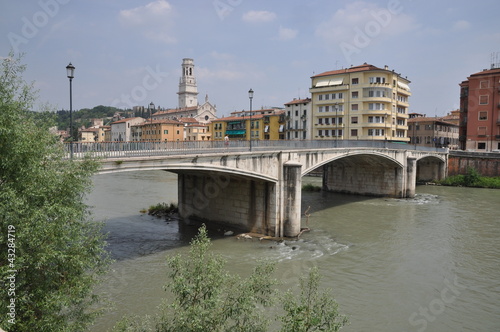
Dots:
(129, 52)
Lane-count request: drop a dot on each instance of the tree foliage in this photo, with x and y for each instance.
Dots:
(51, 252)
(312, 310)
(207, 298)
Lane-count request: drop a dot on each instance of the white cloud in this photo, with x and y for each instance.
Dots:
(145, 14)
(254, 16)
(154, 20)
(461, 25)
(287, 34)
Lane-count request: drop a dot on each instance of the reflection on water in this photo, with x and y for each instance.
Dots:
(388, 261)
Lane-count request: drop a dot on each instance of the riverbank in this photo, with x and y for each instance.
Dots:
(471, 179)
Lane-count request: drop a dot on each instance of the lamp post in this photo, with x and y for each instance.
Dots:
(151, 107)
(250, 96)
(70, 71)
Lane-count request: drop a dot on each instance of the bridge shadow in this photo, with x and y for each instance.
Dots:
(134, 236)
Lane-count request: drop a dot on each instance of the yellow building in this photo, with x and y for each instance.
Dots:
(158, 131)
(362, 102)
(196, 132)
(266, 124)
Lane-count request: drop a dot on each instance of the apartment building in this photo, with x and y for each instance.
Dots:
(480, 111)
(432, 131)
(361, 102)
(298, 119)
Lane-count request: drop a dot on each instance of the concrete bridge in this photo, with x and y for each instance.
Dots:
(260, 190)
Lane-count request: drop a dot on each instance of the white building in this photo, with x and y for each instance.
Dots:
(298, 116)
(120, 130)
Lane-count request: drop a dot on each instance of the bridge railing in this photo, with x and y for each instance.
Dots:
(143, 149)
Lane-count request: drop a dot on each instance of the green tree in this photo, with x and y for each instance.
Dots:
(51, 252)
(312, 310)
(207, 298)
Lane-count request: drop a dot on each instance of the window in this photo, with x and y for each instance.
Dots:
(296, 113)
(327, 108)
(483, 115)
(321, 109)
(355, 81)
(341, 95)
(165, 132)
(320, 97)
(354, 107)
(481, 145)
(354, 119)
(320, 132)
(327, 96)
(320, 121)
(483, 100)
(484, 84)
(327, 121)
(376, 106)
(354, 132)
(377, 79)
(354, 94)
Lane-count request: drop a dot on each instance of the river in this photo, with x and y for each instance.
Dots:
(431, 263)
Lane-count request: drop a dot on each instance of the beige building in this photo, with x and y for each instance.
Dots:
(433, 131)
(158, 131)
(362, 102)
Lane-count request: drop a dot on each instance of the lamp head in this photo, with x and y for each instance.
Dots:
(70, 70)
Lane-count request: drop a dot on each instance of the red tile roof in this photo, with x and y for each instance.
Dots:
(363, 67)
(125, 120)
(298, 101)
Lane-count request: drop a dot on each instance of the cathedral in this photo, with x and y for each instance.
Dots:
(189, 106)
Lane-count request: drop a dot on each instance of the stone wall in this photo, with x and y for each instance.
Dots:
(487, 164)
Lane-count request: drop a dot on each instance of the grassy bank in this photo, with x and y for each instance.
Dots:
(471, 179)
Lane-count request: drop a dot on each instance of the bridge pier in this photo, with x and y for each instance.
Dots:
(292, 196)
(411, 176)
(228, 200)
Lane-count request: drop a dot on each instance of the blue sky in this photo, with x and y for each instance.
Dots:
(129, 52)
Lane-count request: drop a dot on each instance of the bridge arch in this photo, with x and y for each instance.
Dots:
(375, 154)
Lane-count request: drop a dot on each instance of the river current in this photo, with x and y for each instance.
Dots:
(431, 263)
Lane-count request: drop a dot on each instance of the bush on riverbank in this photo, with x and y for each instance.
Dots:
(310, 187)
(471, 179)
(161, 209)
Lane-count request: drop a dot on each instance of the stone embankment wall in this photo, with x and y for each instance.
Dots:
(487, 164)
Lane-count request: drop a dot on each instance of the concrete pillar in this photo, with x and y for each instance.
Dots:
(292, 195)
(411, 177)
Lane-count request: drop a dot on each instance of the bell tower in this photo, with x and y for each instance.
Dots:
(188, 90)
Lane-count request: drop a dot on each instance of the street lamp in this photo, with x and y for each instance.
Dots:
(151, 107)
(70, 71)
(250, 96)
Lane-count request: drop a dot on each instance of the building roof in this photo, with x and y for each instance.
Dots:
(299, 101)
(355, 69)
(177, 110)
(162, 121)
(432, 119)
(125, 120)
(491, 71)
